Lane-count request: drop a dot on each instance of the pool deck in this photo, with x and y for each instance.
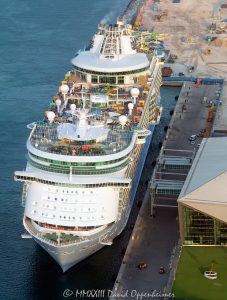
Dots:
(155, 237)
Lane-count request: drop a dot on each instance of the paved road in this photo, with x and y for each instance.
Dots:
(152, 242)
(193, 118)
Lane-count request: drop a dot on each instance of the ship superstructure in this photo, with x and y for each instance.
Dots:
(84, 155)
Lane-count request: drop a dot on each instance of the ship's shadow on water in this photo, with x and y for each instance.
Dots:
(99, 271)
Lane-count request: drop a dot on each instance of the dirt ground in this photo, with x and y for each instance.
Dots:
(186, 27)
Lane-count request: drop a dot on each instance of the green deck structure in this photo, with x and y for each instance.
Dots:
(190, 282)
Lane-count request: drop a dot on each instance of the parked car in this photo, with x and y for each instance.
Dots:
(192, 138)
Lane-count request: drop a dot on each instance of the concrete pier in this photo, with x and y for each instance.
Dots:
(155, 236)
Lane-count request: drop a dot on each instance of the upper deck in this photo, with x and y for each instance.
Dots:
(98, 109)
(46, 138)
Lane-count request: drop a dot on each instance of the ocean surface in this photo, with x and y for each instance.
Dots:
(37, 41)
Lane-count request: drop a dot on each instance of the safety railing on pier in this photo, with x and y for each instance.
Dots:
(194, 79)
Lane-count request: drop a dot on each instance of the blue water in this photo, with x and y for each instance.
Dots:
(37, 41)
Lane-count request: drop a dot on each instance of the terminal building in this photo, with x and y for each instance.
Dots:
(202, 202)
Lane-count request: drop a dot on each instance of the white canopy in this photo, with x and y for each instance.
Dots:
(124, 63)
(79, 133)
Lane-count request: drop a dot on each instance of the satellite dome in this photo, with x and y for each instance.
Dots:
(50, 116)
(135, 92)
(130, 106)
(122, 120)
(64, 89)
(58, 102)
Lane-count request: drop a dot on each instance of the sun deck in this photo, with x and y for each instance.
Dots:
(45, 138)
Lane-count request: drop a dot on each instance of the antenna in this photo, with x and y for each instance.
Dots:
(82, 95)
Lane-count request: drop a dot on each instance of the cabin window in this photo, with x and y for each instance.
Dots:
(111, 80)
(121, 80)
(94, 79)
(83, 77)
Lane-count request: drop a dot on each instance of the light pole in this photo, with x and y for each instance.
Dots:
(134, 93)
(64, 90)
(58, 104)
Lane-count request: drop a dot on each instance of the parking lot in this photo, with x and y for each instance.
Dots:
(190, 116)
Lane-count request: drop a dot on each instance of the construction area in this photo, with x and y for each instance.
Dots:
(195, 34)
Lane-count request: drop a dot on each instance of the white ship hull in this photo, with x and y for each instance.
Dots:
(70, 255)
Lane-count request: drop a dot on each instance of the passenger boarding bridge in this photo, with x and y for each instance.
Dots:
(169, 176)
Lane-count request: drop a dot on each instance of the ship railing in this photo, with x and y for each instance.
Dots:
(61, 242)
(46, 139)
(205, 80)
(40, 236)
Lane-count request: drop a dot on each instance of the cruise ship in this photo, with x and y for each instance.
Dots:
(85, 157)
